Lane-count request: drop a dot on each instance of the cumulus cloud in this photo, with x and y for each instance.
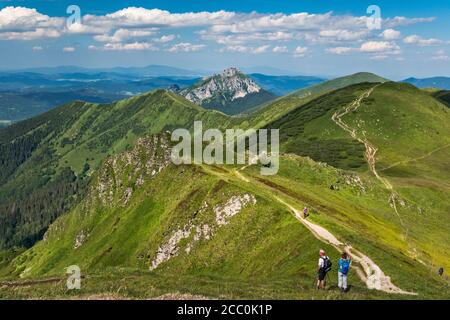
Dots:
(186, 47)
(19, 23)
(339, 50)
(385, 47)
(137, 28)
(140, 17)
(441, 56)
(237, 39)
(390, 34)
(165, 38)
(37, 48)
(245, 49)
(402, 21)
(69, 49)
(418, 40)
(280, 49)
(122, 35)
(300, 52)
(345, 35)
(261, 49)
(133, 46)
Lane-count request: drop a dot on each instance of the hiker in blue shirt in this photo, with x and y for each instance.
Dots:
(343, 267)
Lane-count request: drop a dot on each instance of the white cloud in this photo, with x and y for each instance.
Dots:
(300, 52)
(441, 56)
(418, 40)
(280, 49)
(135, 28)
(261, 49)
(239, 39)
(138, 16)
(30, 35)
(402, 21)
(37, 48)
(379, 57)
(345, 35)
(122, 35)
(245, 49)
(69, 49)
(165, 38)
(134, 46)
(339, 50)
(385, 47)
(390, 34)
(186, 47)
(19, 23)
(238, 48)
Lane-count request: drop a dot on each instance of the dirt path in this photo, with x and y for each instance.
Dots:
(416, 159)
(23, 283)
(371, 150)
(369, 272)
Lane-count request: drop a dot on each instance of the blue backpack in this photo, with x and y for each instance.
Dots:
(344, 265)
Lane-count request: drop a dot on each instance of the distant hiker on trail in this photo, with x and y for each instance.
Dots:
(305, 212)
(343, 267)
(441, 271)
(323, 267)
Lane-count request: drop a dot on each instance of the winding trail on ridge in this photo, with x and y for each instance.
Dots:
(369, 272)
(371, 150)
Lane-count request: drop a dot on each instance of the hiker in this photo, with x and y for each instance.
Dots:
(323, 267)
(343, 267)
(305, 212)
(441, 271)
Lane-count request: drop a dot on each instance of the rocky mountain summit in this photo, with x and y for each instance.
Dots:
(231, 84)
(230, 91)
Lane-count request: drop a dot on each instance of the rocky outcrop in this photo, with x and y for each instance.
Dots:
(122, 174)
(202, 231)
(229, 85)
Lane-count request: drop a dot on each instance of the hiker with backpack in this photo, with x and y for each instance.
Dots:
(305, 212)
(324, 266)
(343, 268)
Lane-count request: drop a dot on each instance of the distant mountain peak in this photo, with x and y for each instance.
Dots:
(231, 72)
(227, 86)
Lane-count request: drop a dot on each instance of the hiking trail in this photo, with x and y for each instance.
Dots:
(369, 272)
(371, 150)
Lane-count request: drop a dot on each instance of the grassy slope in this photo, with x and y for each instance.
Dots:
(357, 211)
(263, 253)
(82, 133)
(412, 132)
(279, 261)
(263, 247)
(268, 113)
(309, 130)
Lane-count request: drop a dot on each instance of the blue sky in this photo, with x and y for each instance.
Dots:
(314, 37)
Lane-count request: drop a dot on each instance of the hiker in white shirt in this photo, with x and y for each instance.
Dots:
(323, 266)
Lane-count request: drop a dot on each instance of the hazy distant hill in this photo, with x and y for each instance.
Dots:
(434, 82)
(282, 85)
